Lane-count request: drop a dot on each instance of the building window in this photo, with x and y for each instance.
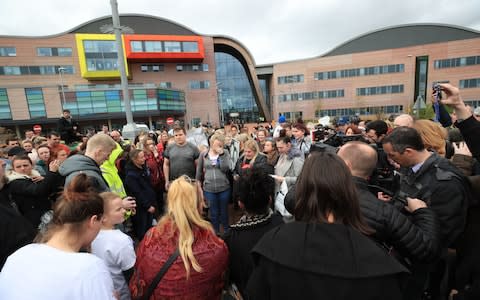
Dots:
(5, 112)
(171, 46)
(100, 55)
(190, 46)
(36, 70)
(197, 85)
(292, 116)
(153, 46)
(10, 70)
(380, 90)
(165, 85)
(290, 79)
(469, 83)
(8, 51)
(192, 67)
(365, 71)
(36, 103)
(163, 46)
(136, 46)
(311, 95)
(456, 62)
(363, 111)
(152, 68)
(43, 51)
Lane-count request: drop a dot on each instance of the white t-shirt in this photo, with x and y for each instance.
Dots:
(116, 250)
(39, 271)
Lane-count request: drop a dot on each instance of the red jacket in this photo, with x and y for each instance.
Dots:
(156, 247)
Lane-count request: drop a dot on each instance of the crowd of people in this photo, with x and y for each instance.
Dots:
(392, 213)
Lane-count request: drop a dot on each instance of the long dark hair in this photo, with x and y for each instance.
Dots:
(325, 187)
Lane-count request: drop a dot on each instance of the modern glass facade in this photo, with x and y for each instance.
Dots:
(36, 103)
(234, 90)
(5, 112)
(86, 102)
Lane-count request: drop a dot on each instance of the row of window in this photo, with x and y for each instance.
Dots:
(192, 68)
(380, 90)
(338, 112)
(41, 51)
(376, 70)
(54, 51)
(290, 79)
(473, 103)
(292, 115)
(36, 70)
(163, 46)
(102, 64)
(199, 84)
(469, 83)
(456, 62)
(152, 68)
(311, 95)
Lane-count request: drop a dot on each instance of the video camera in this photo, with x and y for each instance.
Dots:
(410, 190)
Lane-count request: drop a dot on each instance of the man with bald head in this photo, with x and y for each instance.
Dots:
(403, 120)
(414, 237)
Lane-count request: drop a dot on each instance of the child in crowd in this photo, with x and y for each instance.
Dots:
(115, 247)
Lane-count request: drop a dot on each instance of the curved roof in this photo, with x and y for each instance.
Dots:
(140, 23)
(403, 36)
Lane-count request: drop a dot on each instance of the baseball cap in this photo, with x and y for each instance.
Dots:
(282, 119)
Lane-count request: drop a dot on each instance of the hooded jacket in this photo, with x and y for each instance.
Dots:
(322, 261)
(110, 173)
(289, 166)
(214, 177)
(32, 199)
(76, 164)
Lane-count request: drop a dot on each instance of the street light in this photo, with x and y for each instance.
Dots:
(220, 102)
(61, 70)
(222, 117)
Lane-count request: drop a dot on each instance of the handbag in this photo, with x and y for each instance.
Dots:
(163, 270)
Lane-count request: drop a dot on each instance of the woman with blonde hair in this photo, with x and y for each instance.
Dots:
(433, 136)
(203, 257)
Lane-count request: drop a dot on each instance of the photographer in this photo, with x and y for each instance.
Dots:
(445, 191)
(383, 175)
(414, 236)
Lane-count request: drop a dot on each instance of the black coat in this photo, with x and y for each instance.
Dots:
(138, 185)
(240, 240)
(470, 129)
(415, 237)
(65, 128)
(33, 199)
(445, 190)
(15, 230)
(468, 268)
(322, 261)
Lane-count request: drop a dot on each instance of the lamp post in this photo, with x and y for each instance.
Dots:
(222, 117)
(220, 102)
(61, 70)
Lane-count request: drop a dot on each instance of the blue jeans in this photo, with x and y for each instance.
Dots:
(218, 203)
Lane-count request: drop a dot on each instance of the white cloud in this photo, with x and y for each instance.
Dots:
(273, 30)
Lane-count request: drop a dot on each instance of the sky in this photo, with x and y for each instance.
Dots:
(272, 30)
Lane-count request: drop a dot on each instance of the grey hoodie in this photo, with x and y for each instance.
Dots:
(77, 164)
(214, 178)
